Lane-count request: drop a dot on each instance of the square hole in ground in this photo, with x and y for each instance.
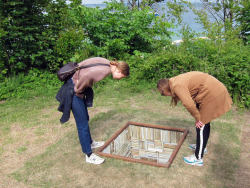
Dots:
(145, 143)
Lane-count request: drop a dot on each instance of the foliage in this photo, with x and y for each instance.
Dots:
(243, 17)
(54, 37)
(144, 3)
(62, 39)
(22, 24)
(35, 83)
(230, 17)
(116, 31)
(232, 68)
(176, 9)
(222, 10)
(140, 4)
(227, 60)
(36, 34)
(72, 32)
(166, 63)
(56, 18)
(222, 48)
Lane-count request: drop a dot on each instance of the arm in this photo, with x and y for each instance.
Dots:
(90, 76)
(183, 94)
(84, 81)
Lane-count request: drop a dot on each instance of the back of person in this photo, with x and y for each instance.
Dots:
(205, 97)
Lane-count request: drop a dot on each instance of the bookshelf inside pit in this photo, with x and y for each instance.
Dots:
(145, 143)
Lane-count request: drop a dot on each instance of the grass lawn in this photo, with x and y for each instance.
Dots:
(37, 151)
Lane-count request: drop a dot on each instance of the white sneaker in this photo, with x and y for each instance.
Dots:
(94, 159)
(97, 144)
(192, 160)
(193, 147)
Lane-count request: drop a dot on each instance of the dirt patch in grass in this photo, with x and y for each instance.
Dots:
(1, 102)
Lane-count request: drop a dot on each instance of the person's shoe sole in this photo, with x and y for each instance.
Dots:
(194, 164)
(91, 162)
(94, 159)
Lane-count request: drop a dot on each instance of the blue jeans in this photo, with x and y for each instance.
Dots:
(81, 115)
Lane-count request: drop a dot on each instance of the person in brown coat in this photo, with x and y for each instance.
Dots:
(205, 97)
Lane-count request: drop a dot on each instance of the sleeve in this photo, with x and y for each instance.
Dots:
(85, 80)
(88, 78)
(183, 94)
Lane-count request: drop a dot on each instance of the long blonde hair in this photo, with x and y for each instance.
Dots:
(162, 85)
(122, 66)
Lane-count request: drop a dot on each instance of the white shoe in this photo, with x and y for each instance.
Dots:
(97, 144)
(193, 147)
(192, 160)
(94, 159)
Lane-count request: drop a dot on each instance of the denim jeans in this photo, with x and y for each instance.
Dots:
(81, 115)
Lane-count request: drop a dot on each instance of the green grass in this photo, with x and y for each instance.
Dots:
(45, 153)
(21, 150)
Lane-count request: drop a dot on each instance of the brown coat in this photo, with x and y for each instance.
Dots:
(86, 77)
(203, 89)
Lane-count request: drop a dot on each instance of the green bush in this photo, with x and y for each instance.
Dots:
(136, 36)
(164, 64)
(116, 30)
(35, 83)
(228, 61)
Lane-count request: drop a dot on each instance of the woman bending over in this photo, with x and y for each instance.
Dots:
(79, 94)
(205, 97)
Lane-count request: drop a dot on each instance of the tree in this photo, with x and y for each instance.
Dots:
(243, 17)
(141, 3)
(36, 34)
(56, 23)
(117, 31)
(22, 25)
(222, 10)
(230, 18)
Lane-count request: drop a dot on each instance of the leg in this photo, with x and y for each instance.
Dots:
(201, 140)
(80, 113)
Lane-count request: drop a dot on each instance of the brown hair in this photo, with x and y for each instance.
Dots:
(162, 85)
(122, 66)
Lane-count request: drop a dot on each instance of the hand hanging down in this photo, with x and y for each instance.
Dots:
(199, 124)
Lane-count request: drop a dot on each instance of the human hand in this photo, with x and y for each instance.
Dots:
(199, 124)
